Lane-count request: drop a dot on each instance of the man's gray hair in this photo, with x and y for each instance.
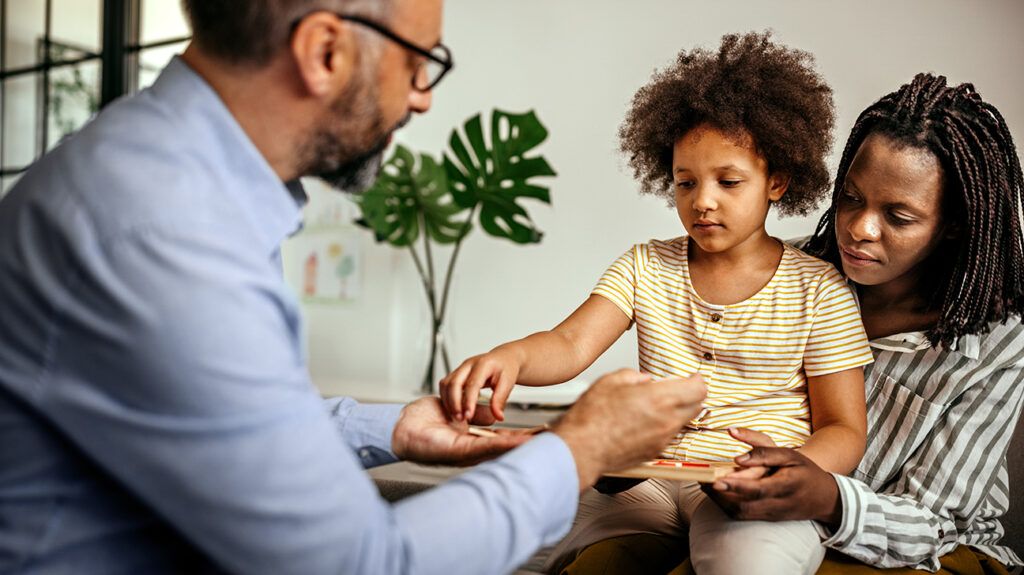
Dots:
(251, 32)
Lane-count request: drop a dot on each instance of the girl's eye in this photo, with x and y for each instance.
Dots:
(686, 185)
(729, 183)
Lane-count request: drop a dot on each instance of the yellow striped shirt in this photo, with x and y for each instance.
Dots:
(755, 355)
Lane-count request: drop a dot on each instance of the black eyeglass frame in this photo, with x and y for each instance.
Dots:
(446, 62)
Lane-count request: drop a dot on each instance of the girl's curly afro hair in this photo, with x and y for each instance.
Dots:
(752, 88)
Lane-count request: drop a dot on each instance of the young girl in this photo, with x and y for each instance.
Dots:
(926, 224)
(774, 332)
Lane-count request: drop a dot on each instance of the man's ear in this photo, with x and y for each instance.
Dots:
(778, 183)
(324, 50)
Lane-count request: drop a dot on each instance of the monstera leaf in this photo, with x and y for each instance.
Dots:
(404, 199)
(496, 178)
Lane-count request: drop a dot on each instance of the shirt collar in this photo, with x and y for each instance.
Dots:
(968, 345)
(275, 208)
(913, 341)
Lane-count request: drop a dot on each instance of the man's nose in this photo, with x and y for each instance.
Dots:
(419, 102)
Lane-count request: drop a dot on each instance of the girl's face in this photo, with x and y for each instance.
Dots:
(889, 214)
(722, 189)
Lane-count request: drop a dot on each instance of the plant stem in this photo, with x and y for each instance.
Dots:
(444, 356)
(451, 262)
(427, 386)
(423, 276)
(435, 320)
(430, 270)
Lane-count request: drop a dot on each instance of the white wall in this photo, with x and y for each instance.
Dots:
(578, 64)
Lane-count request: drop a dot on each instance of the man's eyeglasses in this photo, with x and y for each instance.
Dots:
(437, 61)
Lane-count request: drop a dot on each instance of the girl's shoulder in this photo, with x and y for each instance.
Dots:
(797, 262)
(672, 251)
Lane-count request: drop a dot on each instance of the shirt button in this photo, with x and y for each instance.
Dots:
(707, 355)
(716, 317)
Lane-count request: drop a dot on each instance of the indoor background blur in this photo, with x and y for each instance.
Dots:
(577, 64)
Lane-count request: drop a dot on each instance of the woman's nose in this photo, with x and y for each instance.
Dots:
(864, 227)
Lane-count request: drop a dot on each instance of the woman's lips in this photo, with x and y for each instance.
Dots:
(856, 257)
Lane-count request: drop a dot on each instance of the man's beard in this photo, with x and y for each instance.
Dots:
(357, 175)
(338, 152)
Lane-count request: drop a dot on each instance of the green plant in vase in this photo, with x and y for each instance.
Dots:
(420, 205)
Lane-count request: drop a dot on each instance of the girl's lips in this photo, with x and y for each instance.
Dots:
(706, 225)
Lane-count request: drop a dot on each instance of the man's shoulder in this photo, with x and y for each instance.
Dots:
(136, 162)
(141, 144)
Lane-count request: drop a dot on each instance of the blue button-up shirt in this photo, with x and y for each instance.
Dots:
(156, 413)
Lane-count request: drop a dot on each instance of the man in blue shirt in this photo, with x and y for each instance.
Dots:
(156, 414)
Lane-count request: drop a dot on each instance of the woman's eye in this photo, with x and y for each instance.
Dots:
(685, 185)
(848, 197)
(898, 220)
(729, 183)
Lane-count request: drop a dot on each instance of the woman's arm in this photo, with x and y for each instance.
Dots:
(544, 358)
(913, 520)
(839, 420)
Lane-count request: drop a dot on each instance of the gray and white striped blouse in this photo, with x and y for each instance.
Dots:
(934, 473)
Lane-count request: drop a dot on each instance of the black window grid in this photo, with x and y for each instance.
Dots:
(118, 60)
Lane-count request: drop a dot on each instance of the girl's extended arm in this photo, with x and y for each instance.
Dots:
(544, 358)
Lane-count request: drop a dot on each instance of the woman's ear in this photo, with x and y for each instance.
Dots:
(952, 231)
(778, 183)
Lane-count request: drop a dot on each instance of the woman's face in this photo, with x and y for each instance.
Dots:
(889, 214)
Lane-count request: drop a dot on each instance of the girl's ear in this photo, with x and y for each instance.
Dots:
(777, 185)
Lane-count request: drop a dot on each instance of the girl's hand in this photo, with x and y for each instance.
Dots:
(497, 370)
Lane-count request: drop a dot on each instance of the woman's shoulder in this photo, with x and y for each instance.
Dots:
(1002, 345)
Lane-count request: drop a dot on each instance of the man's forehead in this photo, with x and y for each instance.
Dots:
(420, 19)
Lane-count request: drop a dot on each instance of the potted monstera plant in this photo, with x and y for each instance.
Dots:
(420, 203)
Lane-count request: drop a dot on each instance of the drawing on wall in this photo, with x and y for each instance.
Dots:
(329, 261)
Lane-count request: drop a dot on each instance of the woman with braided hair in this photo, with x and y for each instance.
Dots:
(925, 223)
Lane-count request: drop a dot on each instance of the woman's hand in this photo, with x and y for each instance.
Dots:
(755, 438)
(793, 488)
(497, 369)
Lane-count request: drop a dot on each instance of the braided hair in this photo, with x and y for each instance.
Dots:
(980, 279)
